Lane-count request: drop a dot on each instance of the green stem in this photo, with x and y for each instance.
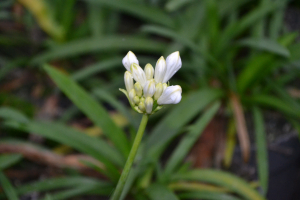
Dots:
(118, 191)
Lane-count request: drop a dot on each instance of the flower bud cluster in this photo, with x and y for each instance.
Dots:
(147, 90)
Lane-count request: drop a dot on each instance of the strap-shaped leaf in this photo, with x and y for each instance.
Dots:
(91, 108)
(224, 179)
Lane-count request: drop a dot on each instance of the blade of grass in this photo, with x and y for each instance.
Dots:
(9, 160)
(183, 40)
(158, 191)
(224, 179)
(96, 19)
(10, 113)
(230, 143)
(95, 147)
(190, 138)
(140, 10)
(261, 146)
(173, 5)
(207, 195)
(177, 118)
(9, 190)
(91, 108)
(265, 44)
(57, 183)
(275, 103)
(108, 98)
(256, 68)
(84, 46)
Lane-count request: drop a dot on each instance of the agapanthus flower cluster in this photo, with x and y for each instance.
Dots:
(151, 91)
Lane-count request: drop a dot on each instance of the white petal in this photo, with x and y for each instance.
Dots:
(128, 81)
(160, 70)
(173, 65)
(138, 74)
(149, 71)
(129, 59)
(149, 88)
(171, 95)
(149, 105)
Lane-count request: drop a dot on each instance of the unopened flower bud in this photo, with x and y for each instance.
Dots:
(138, 74)
(173, 62)
(149, 88)
(149, 71)
(142, 106)
(132, 94)
(158, 90)
(160, 70)
(149, 105)
(129, 59)
(128, 81)
(136, 100)
(138, 88)
(171, 95)
(142, 99)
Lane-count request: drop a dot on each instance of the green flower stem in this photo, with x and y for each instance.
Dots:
(118, 191)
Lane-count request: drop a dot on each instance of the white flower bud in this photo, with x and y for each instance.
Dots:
(173, 62)
(142, 106)
(138, 88)
(160, 70)
(128, 81)
(149, 88)
(129, 59)
(149, 71)
(132, 94)
(164, 86)
(171, 95)
(149, 105)
(136, 100)
(158, 90)
(138, 74)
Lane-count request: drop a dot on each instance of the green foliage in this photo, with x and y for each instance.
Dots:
(236, 47)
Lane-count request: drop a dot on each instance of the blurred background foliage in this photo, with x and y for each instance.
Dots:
(241, 62)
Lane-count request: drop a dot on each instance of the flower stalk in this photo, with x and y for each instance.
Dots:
(121, 183)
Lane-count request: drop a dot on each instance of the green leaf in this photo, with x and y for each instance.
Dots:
(108, 98)
(10, 113)
(158, 191)
(146, 12)
(91, 108)
(96, 68)
(261, 152)
(224, 179)
(9, 190)
(74, 192)
(275, 103)
(48, 197)
(95, 147)
(255, 69)
(169, 33)
(173, 5)
(57, 183)
(236, 28)
(84, 46)
(207, 195)
(265, 44)
(180, 115)
(9, 160)
(187, 142)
